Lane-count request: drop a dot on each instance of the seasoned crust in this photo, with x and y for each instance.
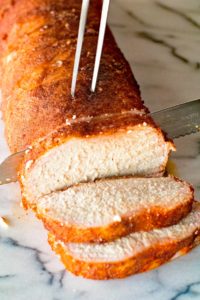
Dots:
(146, 220)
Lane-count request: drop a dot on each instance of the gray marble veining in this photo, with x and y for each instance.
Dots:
(161, 40)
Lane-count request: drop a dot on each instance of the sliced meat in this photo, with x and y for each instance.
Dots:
(108, 209)
(137, 252)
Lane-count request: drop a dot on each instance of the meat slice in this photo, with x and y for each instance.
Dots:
(137, 252)
(108, 209)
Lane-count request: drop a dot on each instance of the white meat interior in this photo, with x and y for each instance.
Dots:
(104, 202)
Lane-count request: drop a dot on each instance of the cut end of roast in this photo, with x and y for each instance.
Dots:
(140, 150)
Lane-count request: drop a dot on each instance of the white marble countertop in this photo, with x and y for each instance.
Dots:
(161, 40)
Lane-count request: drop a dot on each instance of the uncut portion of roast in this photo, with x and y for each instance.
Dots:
(80, 139)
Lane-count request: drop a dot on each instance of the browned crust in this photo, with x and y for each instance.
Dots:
(36, 92)
(146, 260)
(145, 220)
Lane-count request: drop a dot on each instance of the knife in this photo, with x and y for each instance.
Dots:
(176, 121)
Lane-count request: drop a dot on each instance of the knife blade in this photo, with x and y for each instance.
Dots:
(176, 121)
(179, 120)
